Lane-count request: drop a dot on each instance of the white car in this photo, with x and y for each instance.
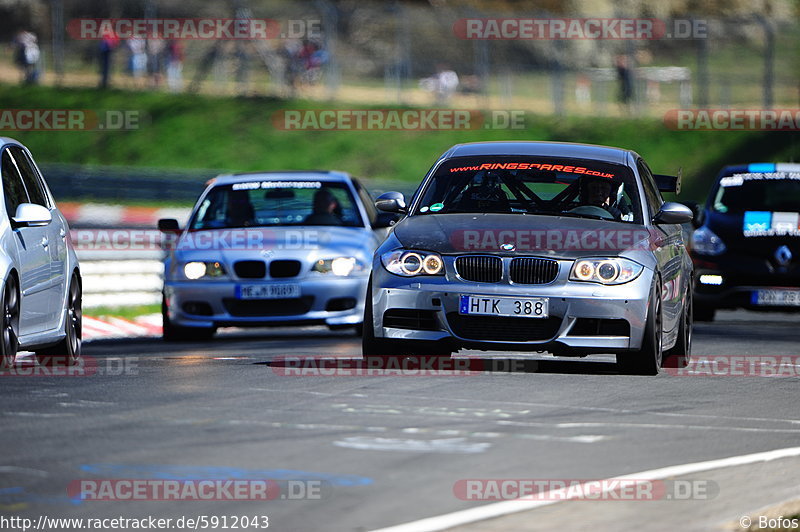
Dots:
(41, 290)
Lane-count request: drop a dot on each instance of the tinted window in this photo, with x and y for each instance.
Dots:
(532, 185)
(13, 189)
(758, 192)
(33, 183)
(651, 191)
(274, 203)
(369, 203)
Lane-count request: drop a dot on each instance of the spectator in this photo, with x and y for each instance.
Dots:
(107, 45)
(138, 61)
(26, 56)
(175, 66)
(625, 76)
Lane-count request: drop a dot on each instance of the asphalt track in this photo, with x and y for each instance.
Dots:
(363, 452)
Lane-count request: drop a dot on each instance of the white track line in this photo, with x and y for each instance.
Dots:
(488, 511)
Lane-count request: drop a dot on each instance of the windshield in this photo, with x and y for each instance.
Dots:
(525, 185)
(778, 191)
(275, 203)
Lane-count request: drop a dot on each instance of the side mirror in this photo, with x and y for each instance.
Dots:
(391, 202)
(168, 225)
(697, 212)
(386, 219)
(31, 215)
(673, 213)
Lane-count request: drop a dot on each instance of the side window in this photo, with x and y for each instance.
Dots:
(651, 192)
(369, 203)
(13, 189)
(33, 183)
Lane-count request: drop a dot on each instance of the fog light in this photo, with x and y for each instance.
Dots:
(711, 279)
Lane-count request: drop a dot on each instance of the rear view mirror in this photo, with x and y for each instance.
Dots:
(386, 219)
(31, 215)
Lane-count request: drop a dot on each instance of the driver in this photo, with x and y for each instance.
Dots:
(599, 192)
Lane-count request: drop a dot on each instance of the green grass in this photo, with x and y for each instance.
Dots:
(193, 131)
(122, 312)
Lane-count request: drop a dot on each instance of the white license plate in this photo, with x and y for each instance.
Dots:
(777, 298)
(267, 291)
(532, 307)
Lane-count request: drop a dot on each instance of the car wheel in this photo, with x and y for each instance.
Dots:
(680, 354)
(647, 360)
(704, 312)
(176, 333)
(68, 350)
(10, 323)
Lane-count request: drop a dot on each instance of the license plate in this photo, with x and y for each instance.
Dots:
(267, 291)
(532, 307)
(776, 298)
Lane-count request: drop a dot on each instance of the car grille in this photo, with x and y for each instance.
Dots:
(530, 270)
(251, 308)
(250, 269)
(412, 319)
(284, 268)
(502, 329)
(480, 268)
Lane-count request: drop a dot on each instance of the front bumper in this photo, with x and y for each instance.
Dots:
(334, 301)
(740, 280)
(572, 306)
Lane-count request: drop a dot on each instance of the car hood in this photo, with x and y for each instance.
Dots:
(730, 228)
(299, 241)
(554, 236)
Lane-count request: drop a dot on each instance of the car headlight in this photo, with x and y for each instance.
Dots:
(412, 263)
(705, 242)
(197, 270)
(605, 271)
(341, 266)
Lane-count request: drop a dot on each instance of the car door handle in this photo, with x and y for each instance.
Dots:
(45, 242)
(62, 233)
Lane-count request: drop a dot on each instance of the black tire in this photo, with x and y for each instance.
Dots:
(68, 350)
(648, 359)
(680, 354)
(176, 333)
(10, 340)
(704, 312)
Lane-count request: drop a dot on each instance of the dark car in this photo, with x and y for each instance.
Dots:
(534, 246)
(747, 243)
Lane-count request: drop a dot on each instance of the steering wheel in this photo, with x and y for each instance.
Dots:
(592, 210)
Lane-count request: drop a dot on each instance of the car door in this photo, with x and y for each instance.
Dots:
(56, 233)
(668, 252)
(33, 256)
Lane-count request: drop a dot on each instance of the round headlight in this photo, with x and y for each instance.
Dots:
(607, 271)
(584, 271)
(194, 270)
(432, 264)
(411, 263)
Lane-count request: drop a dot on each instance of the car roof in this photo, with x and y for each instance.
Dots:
(326, 176)
(542, 148)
